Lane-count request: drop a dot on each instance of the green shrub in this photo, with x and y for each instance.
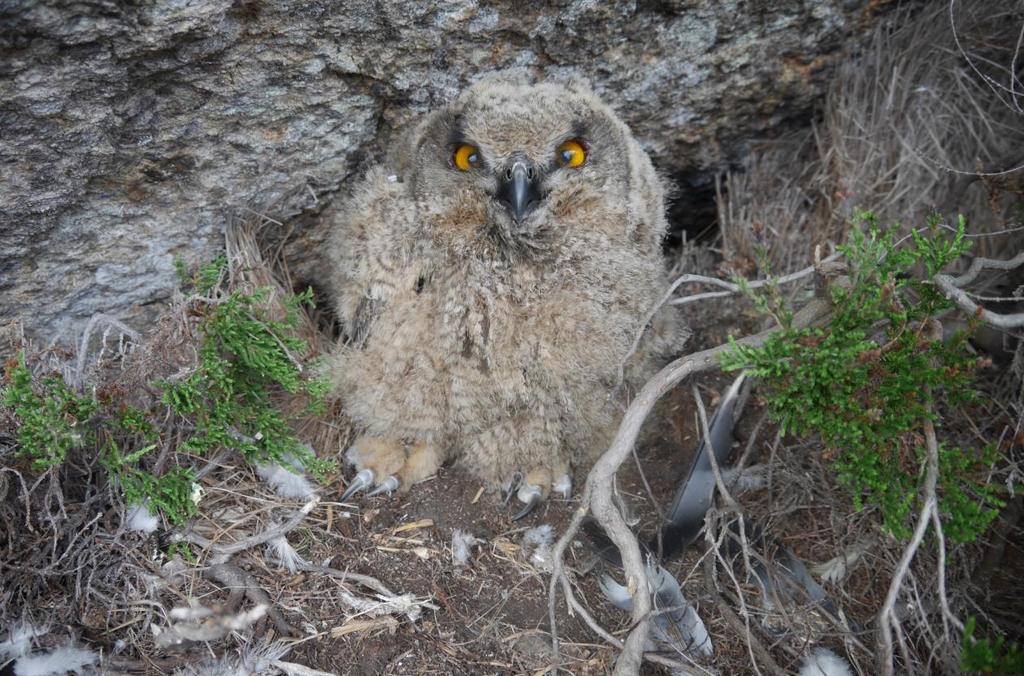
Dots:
(246, 355)
(52, 420)
(989, 657)
(868, 380)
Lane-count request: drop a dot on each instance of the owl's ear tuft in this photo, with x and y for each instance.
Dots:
(436, 128)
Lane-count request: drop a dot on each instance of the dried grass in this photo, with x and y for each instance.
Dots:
(916, 122)
(909, 122)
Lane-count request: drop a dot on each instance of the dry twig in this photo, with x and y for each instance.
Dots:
(952, 288)
(887, 614)
(224, 552)
(597, 495)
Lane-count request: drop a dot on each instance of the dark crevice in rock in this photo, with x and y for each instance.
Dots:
(326, 320)
(692, 211)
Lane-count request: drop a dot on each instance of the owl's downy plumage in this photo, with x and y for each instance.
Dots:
(490, 279)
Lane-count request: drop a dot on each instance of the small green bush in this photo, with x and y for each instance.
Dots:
(53, 420)
(989, 657)
(868, 380)
(246, 355)
(169, 493)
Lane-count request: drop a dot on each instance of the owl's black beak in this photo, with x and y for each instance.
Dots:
(519, 189)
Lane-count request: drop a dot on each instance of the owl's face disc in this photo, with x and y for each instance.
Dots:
(514, 169)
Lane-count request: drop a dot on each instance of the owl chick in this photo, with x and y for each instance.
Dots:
(491, 278)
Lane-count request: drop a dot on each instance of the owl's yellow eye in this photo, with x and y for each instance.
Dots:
(570, 154)
(466, 157)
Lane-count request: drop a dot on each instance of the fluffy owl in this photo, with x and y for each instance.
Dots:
(491, 277)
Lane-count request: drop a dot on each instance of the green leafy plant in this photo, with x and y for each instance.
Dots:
(208, 276)
(868, 380)
(182, 549)
(52, 421)
(182, 270)
(249, 351)
(770, 300)
(170, 493)
(989, 657)
(246, 354)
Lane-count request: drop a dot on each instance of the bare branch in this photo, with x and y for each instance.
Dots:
(732, 289)
(597, 495)
(558, 567)
(995, 86)
(887, 614)
(951, 288)
(741, 627)
(236, 578)
(964, 302)
(979, 264)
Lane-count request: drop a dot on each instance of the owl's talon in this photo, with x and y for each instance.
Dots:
(525, 511)
(529, 494)
(362, 480)
(563, 486)
(387, 486)
(513, 485)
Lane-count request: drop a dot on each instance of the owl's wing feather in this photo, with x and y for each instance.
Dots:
(370, 253)
(362, 321)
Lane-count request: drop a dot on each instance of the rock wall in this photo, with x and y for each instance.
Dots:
(130, 132)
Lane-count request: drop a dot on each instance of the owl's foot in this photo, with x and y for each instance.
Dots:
(390, 464)
(535, 487)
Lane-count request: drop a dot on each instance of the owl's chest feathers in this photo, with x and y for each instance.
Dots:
(515, 320)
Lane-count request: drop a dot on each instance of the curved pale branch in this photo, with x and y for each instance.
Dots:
(952, 289)
(597, 495)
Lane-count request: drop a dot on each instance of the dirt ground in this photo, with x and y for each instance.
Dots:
(490, 616)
